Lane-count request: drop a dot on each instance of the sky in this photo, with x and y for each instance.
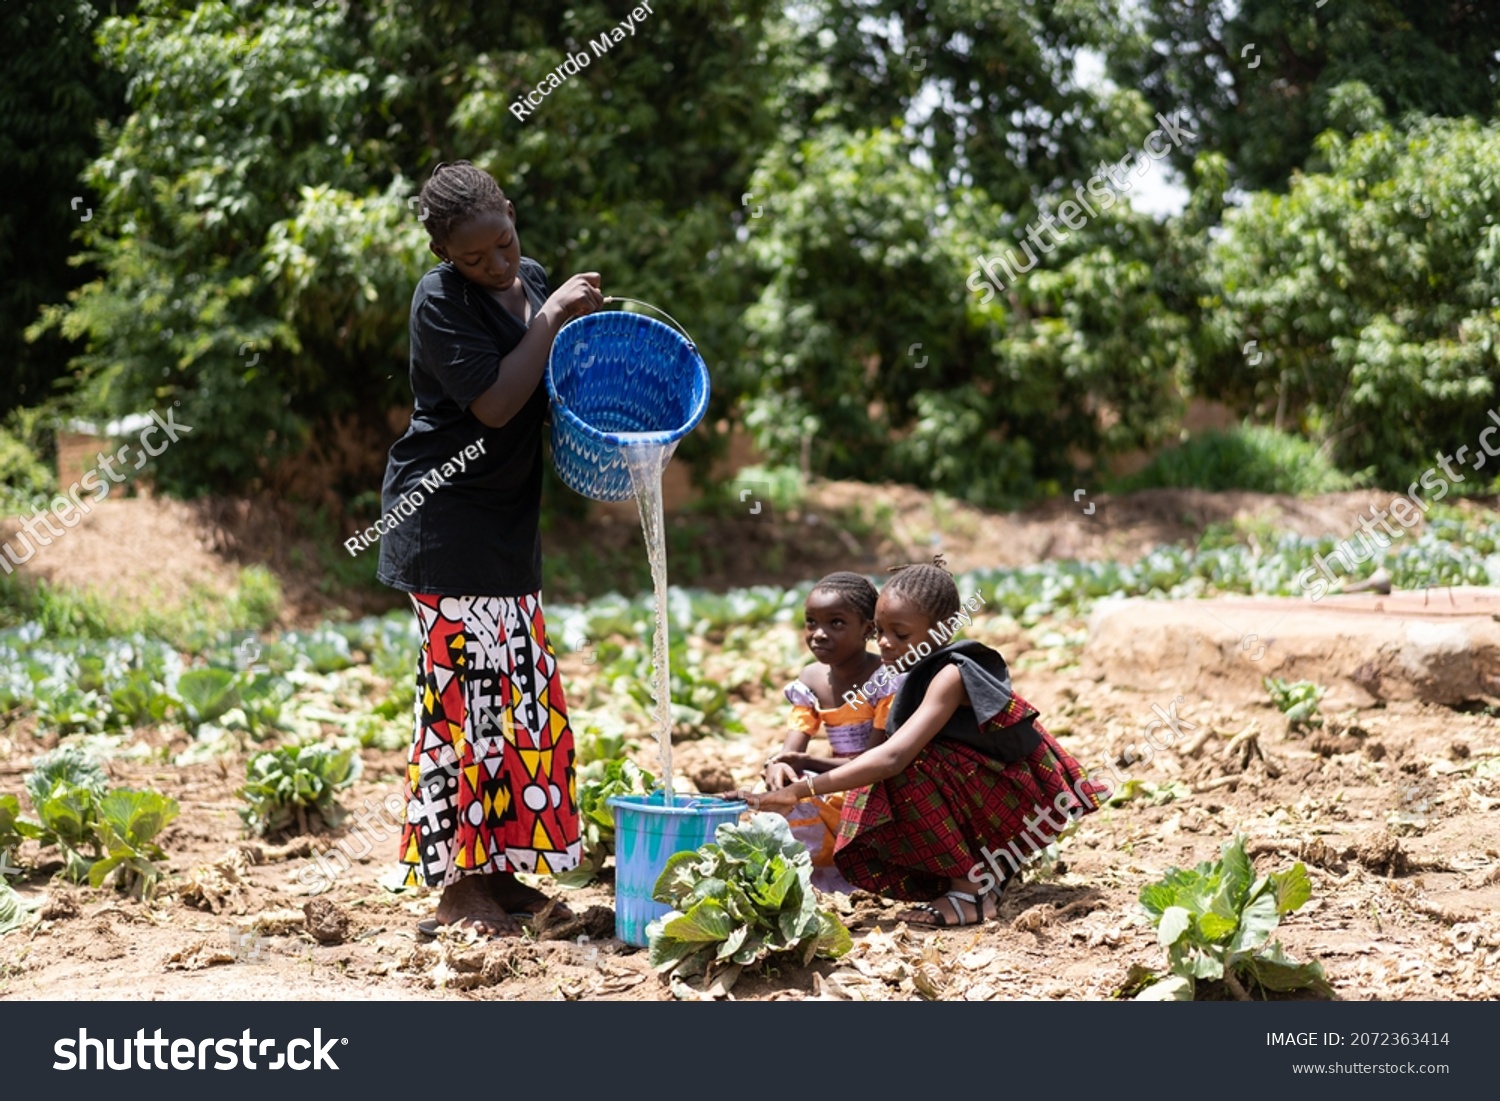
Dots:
(1161, 193)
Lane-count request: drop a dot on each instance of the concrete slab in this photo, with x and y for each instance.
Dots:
(1441, 645)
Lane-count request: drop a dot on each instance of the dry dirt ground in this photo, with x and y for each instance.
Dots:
(1395, 809)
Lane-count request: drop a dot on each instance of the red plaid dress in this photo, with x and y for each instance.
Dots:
(907, 836)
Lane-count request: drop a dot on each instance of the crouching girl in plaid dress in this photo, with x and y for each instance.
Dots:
(965, 776)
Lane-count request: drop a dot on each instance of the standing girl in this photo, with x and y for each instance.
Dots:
(490, 776)
(965, 769)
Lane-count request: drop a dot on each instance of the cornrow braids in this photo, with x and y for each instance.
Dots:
(454, 193)
(858, 591)
(927, 585)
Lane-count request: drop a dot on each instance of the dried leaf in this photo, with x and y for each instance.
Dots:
(978, 959)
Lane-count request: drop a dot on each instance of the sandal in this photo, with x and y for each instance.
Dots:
(956, 919)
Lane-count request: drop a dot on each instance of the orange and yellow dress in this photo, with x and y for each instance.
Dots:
(849, 728)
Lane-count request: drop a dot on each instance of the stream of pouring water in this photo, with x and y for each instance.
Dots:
(647, 460)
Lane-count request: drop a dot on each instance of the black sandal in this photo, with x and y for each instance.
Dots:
(976, 900)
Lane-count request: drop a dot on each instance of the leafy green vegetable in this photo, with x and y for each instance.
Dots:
(97, 833)
(13, 909)
(128, 824)
(69, 709)
(208, 693)
(283, 784)
(700, 697)
(141, 700)
(325, 649)
(69, 815)
(1214, 921)
(1298, 702)
(262, 699)
(597, 781)
(66, 765)
(743, 898)
(10, 823)
(65, 786)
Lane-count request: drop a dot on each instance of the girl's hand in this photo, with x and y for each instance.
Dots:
(766, 800)
(578, 296)
(779, 774)
(795, 761)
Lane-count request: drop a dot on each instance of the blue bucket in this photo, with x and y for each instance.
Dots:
(648, 833)
(612, 372)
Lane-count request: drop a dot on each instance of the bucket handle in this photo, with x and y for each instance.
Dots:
(618, 298)
(701, 804)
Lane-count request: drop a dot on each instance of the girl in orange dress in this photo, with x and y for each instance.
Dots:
(845, 694)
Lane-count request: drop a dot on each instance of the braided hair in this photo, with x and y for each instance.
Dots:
(455, 192)
(851, 587)
(927, 585)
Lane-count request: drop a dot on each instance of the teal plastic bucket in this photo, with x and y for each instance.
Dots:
(647, 834)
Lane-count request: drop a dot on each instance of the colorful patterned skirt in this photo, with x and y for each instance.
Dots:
(907, 836)
(491, 782)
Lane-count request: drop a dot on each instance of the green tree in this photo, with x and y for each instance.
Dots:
(1262, 76)
(1370, 291)
(241, 116)
(871, 238)
(254, 236)
(987, 90)
(54, 91)
(872, 346)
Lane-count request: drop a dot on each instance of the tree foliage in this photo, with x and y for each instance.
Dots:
(53, 91)
(808, 187)
(986, 90)
(255, 240)
(876, 354)
(1264, 76)
(870, 344)
(1373, 293)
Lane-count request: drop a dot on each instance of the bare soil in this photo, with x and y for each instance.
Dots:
(1393, 806)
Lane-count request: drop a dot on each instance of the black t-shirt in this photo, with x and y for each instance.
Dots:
(476, 531)
(987, 682)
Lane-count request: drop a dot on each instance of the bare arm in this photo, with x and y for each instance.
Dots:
(807, 762)
(779, 771)
(796, 742)
(944, 696)
(521, 370)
